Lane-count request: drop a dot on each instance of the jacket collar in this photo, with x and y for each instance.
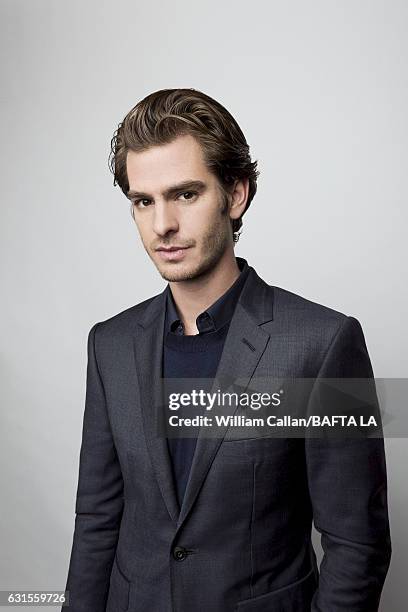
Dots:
(261, 309)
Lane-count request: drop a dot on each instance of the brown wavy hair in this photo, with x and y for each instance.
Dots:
(165, 114)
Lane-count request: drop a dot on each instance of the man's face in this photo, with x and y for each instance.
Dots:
(177, 202)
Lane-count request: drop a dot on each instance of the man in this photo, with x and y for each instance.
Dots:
(222, 523)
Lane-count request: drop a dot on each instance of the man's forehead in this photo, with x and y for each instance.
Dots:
(181, 149)
(162, 166)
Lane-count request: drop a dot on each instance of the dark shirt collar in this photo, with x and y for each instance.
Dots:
(217, 315)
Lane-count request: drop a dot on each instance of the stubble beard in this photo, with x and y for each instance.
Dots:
(214, 245)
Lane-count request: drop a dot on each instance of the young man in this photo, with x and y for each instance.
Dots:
(215, 524)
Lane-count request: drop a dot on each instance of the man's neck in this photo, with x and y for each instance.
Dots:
(192, 297)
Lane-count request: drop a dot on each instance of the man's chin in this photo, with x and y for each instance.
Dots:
(176, 272)
(182, 271)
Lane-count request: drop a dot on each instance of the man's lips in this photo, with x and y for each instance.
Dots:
(173, 248)
(175, 253)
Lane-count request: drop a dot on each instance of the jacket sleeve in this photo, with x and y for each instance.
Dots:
(99, 500)
(348, 490)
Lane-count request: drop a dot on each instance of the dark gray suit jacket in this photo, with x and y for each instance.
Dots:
(242, 539)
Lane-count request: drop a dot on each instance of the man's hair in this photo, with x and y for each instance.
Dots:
(166, 114)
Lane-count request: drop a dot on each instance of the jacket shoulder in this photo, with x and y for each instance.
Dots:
(285, 300)
(314, 327)
(302, 316)
(125, 319)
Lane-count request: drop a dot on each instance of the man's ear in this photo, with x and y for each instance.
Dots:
(238, 198)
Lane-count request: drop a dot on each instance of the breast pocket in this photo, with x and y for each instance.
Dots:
(259, 449)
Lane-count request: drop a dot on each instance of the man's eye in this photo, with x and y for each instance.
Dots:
(188, 195)
(142, 203)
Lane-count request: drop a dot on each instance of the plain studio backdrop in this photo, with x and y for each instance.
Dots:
(320, 91)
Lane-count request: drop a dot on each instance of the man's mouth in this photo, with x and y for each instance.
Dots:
(173, 253)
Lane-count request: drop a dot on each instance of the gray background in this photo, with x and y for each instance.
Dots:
(320, 90)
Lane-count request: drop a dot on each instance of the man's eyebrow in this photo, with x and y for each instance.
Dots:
(167, 193)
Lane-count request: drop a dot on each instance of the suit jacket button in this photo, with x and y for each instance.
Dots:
(180, 553)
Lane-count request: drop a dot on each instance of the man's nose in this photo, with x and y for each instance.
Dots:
(164, 219)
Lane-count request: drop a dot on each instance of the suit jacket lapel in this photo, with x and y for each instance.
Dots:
(148, 347)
